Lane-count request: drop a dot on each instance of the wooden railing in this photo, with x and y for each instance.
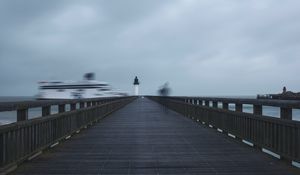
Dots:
(25, 138)
(278, 135)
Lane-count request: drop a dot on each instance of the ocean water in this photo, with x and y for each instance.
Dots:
(11, 116)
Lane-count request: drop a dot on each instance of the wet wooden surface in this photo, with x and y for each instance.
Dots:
(145, 138)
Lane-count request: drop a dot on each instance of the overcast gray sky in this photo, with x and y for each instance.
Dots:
(201, 47)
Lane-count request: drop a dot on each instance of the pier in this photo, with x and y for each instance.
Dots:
(151, 135)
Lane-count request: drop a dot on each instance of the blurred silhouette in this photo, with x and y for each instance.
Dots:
(284, 90)
(164, 90)
(89, 76)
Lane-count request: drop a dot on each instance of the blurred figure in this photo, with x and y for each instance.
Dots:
(284, 90)
(164, 90)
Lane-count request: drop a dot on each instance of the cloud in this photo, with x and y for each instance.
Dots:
(201, 47)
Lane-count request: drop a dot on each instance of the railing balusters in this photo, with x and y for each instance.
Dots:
(22, 139)
(280, 135)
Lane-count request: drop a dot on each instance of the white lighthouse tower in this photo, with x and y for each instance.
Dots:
(136, 84)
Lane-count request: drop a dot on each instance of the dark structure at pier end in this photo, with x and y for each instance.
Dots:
(285, 95)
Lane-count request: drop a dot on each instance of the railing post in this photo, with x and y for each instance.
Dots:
(215, 104)
(81, 105)
(225, 106)
(73, 106)
(286, 113)
(257, 109)
(207, 103)
(46, 110)
(61, 108)
(239, 107)
(3, 150)
(201, 102)
(88, 104)
(22, 114)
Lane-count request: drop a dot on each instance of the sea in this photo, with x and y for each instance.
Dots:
(8, 117)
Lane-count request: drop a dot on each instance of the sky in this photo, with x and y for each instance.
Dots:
(200, 47)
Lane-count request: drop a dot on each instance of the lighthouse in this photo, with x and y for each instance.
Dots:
(136, 84)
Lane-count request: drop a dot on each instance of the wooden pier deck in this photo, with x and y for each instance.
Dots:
(144, 138)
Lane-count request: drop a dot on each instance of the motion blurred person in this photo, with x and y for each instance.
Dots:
(164, 91)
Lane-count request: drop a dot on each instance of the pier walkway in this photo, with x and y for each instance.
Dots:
(145, 138)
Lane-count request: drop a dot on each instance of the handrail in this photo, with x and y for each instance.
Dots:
(11, 106)
(264, 102)
(22, 107)
(286, 106)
